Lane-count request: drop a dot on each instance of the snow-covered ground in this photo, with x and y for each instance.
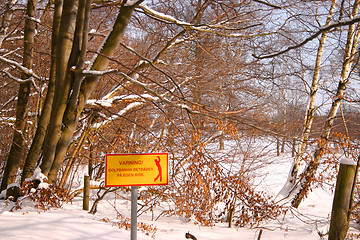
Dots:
(71, 222)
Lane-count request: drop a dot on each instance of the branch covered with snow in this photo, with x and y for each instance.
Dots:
(130, 3)
(96, 73)
(188, 26)
(23, 69)
(19, 80)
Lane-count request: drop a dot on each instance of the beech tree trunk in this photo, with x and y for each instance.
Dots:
(88, 84)
(18, 147)
(62, 82)
(74, 78)
(38, 140)
(72, 159)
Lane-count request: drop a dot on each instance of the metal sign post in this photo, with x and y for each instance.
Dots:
(134, 197)
(143, 169)
(136, 169)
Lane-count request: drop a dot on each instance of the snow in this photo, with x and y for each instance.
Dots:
(37, 175)
(130, 2)
(3, 194)
(347, 161)
(166, 17)
(71, 222)
(35, 20)
(105, 103)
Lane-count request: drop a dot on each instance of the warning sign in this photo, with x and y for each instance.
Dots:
(136, 169)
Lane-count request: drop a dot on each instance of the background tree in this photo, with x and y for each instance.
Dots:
(175, 76)
(18, 145)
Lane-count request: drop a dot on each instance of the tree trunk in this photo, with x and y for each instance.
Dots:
(309, 173)
(62, 83)
(309, 116)
(284, 113)
(78, 51)
(293, 147)
(340, 214)
(101, 63)
(310, 112)
(277, 146)
(18, 148)
(6, 18)
(91, 157)
(38, 140)
(71, 162)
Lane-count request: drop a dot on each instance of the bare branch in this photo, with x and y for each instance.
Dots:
(85, 73)
(268, 4)
(149, 61)
(188, 26)
(20, 67)
(190, 110)
(19, 80)
(312, 37)
(154, 93)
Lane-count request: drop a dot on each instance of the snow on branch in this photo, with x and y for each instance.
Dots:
(20, 67)
(323, 29)
(16, 38)
(161, 97)
(19, 80)
(152, 95)
(7, 121)
(95, 73)
(138, 100)
(188, 26)
(129, 3)
(108, 102)
(36, 20)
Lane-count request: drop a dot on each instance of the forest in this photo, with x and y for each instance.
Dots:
(192, 78)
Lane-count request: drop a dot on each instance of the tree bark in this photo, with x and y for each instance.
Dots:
(62, 83)
(340, 214)
(101, 62)
(6, 19)
(71, 162)
(18, 148)
(310, 170)
(38, 140)
(76, 59)
(310, 111)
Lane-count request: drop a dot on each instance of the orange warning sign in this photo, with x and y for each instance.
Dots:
(136, 169)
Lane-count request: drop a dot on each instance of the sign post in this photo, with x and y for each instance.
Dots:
(134, 197)
(135, 170)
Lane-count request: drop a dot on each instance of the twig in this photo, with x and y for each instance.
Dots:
(268, 4)
(260, 233)
(188, 235)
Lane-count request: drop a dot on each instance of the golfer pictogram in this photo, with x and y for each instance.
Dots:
(157, 162)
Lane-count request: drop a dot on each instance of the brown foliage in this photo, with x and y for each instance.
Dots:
(44, 198)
